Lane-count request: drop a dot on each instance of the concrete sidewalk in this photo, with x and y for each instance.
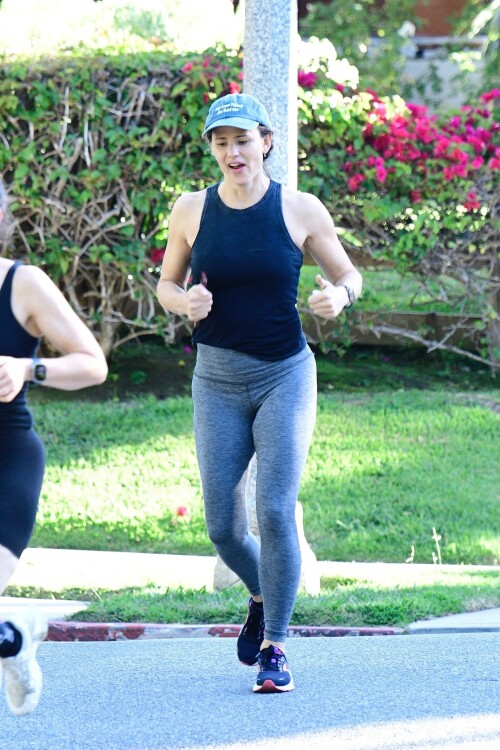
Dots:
(56, 569)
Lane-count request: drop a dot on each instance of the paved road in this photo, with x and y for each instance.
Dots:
(379, 693)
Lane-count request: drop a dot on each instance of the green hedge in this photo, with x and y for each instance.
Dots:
(96, 150)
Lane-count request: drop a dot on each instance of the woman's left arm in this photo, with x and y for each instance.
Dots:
(341, 283)
(43, 311)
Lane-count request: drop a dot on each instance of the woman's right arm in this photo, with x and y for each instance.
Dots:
(43, 311)
(172, 291)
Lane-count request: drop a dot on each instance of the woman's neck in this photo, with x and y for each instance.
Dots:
(243, 196)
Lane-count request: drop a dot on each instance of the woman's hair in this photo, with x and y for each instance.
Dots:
(6, 221)
(266, 131)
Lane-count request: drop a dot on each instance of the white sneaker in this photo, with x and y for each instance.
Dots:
(23, 676)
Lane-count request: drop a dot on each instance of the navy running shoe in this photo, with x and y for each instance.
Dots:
(251, 634)
(274, 673)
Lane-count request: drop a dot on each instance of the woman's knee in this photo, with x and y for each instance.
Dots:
(276, 521)
(223, 536)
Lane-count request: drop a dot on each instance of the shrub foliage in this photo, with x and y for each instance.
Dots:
(96, 150)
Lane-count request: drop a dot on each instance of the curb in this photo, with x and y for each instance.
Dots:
(89, 631)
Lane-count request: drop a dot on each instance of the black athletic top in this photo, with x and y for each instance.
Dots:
(252, 268)
(14, 342)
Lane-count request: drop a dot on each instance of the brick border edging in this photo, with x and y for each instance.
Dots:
(135, 631)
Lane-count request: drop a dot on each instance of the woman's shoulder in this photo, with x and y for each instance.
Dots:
(25, 275)
(189, 201)
(300, 202)
(30, 275)
(32, 286)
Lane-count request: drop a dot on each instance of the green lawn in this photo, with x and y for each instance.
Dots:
(385, 468)
(404, 444)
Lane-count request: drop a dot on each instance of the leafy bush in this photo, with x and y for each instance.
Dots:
(98, 149)
(411, 189)
(96, 152)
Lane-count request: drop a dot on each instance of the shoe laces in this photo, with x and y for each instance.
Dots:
(254, 625)
(271, 659)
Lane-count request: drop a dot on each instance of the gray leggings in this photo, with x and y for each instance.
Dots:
(244, 405)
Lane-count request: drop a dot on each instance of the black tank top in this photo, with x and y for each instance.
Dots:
(252, 268)
(14, 342)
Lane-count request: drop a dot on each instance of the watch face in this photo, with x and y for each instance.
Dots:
(40, 373)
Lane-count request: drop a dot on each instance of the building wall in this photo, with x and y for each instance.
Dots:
(436, 16)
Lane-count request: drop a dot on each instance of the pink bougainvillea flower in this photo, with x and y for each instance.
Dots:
(206, 98)
(424, 132)
(484, 134)
(381, 110)
(187, 67)
(234, 88)
(417, 110)
(181, 511)
(416, 196)
(477, 163)
(374, 94)
(489, 95)
(441, 147)
(187, 349)
(307, 80)
(460, 156)
(475, 142)
(157, 255)
(381, 173)
(472, 202)
(398, 128)
(494, 163)
(355, 181)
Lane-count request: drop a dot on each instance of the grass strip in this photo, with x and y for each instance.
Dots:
(348, 602)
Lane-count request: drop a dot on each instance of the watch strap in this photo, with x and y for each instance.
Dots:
(350, 294)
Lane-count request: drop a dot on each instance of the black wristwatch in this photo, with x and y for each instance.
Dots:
(38, 372)
(350, 294)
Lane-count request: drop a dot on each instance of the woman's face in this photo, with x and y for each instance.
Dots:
(239, 153)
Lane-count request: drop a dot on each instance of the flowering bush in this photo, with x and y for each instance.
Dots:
(118, 140)
(392, 161)
(416, 190)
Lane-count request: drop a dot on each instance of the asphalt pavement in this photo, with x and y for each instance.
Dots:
(432, 692)
(171, 687)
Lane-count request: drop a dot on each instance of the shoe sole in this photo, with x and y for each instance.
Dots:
(268, 686)
(31, 702)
